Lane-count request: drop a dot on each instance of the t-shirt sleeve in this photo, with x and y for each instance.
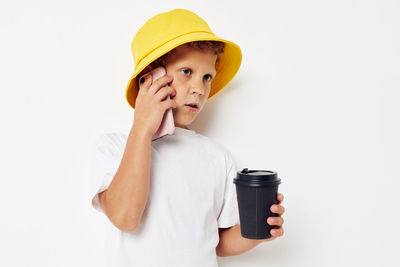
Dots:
(229, 215)
(107, 151)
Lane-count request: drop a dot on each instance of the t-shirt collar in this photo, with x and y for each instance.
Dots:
(179, 130)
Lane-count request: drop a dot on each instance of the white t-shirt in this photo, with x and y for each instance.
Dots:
(191, 195)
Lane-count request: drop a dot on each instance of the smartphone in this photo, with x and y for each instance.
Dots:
(167, 125)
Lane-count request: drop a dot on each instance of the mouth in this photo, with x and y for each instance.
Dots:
(192, 106)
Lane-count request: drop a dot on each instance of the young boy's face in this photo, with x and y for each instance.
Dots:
(192, 70)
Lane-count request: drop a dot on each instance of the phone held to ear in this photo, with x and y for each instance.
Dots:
(167, 125)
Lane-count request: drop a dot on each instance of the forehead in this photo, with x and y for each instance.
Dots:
(188, 55)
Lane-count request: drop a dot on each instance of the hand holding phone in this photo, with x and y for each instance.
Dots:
(158, 90)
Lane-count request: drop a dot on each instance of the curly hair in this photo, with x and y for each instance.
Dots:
(216, 46)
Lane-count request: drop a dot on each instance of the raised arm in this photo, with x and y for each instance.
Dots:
(126, 197)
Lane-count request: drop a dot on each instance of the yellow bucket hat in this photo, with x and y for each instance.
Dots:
(165, 31)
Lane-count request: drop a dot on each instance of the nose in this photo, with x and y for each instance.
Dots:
(198, 87)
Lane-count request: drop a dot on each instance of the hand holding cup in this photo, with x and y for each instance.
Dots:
(259, 204)
(278, 220)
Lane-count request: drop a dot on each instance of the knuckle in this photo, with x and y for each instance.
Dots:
(156, 83)
(165, 90)
(165, 78)
(160, 90)
(165, 87)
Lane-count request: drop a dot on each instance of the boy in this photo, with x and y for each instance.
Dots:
(172, 202)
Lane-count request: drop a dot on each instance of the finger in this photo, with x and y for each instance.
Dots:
(279, 209)
(145, 81)
(164, 92)
(159, 83)
(277, 232)
(279, 197)
(169, 103)
(275, 221)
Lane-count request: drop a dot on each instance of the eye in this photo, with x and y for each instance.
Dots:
(208, 76)
(189, 71)
(186, 69)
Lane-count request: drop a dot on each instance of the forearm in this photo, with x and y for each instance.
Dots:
(126, 197)
(232, 243)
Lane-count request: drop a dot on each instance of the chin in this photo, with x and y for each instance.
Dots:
(182, 121)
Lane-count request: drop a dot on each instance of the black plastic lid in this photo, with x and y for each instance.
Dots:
(256, 178)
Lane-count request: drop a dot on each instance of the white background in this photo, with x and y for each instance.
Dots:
(316, 99)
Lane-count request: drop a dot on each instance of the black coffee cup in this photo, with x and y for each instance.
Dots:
(256, 193)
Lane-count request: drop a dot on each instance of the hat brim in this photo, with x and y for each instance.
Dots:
(227, 67)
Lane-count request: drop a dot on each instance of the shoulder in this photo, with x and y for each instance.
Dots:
(112, 143)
